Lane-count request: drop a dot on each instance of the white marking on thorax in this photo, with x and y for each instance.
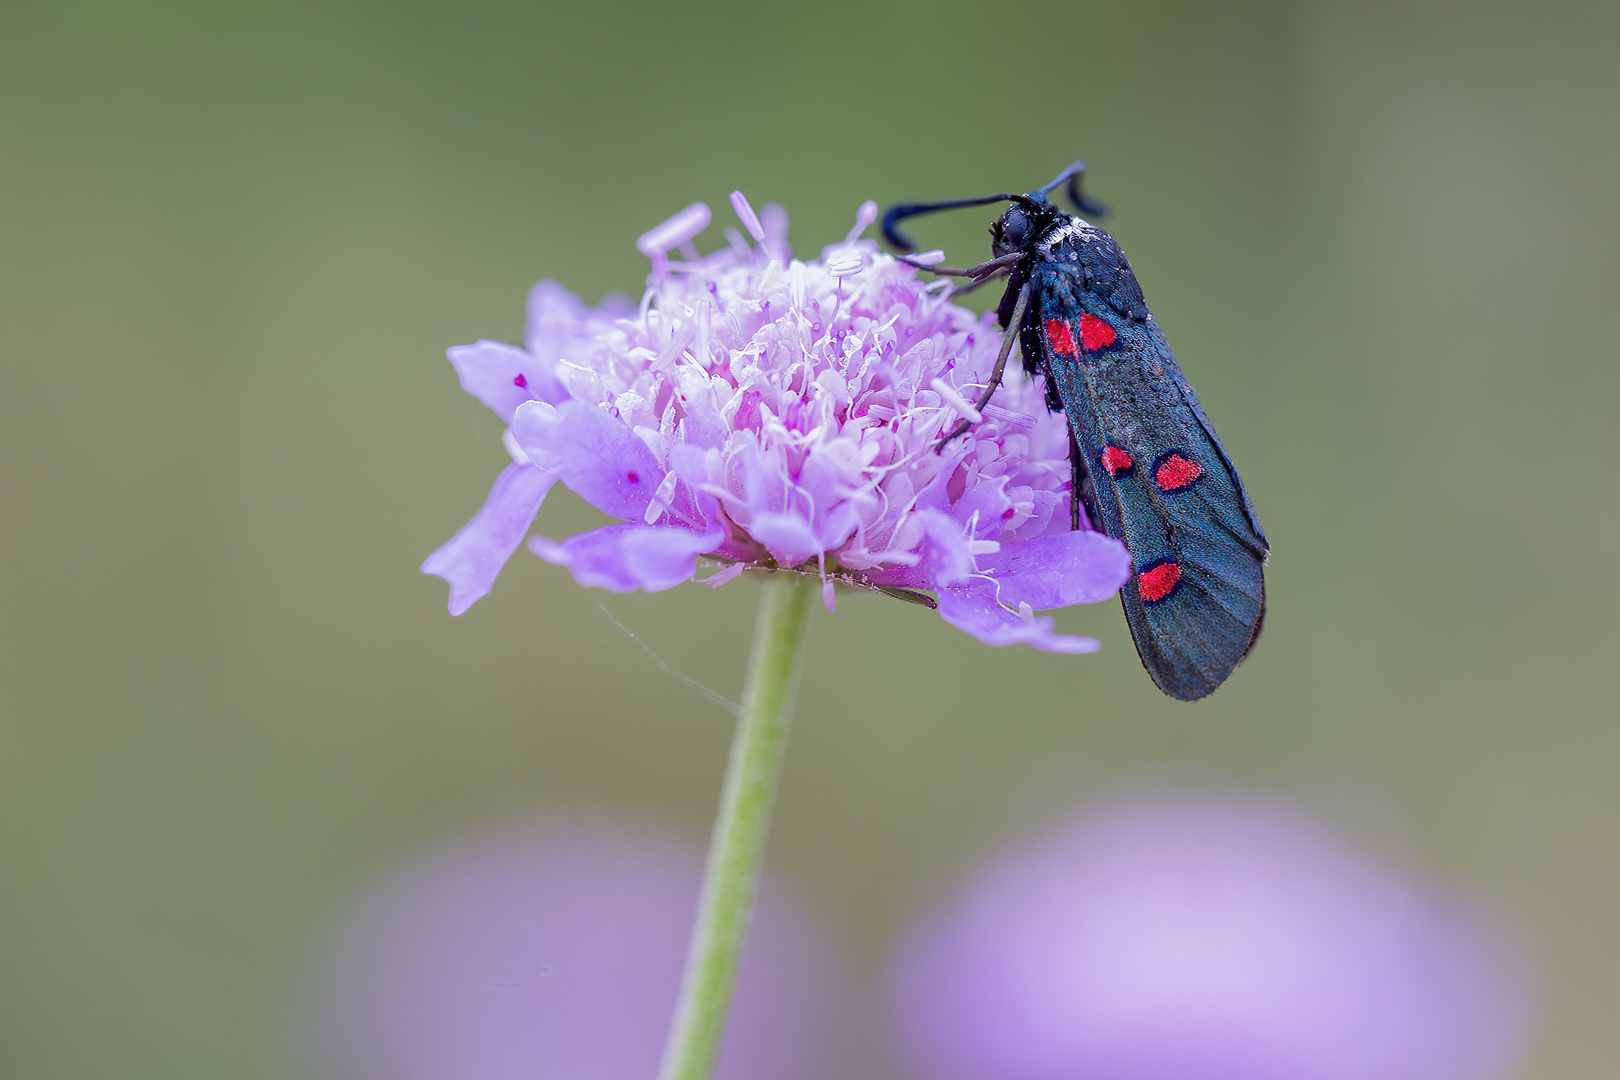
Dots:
(1072, 228)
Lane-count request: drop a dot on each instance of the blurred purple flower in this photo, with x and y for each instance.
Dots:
(556, 953)
(780, 414)
(1204, 940)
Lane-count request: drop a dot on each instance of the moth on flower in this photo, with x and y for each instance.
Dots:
(756, 411)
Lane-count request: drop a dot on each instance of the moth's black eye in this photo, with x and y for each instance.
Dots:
(1014, 227)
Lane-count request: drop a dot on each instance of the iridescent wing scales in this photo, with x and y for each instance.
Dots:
(1158, 480)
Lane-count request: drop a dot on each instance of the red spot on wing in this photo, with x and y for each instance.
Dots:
(1061, 338)
(1116, 461)
(1176, 472)
(1095, 334)
(520, 382)
(1154, 583)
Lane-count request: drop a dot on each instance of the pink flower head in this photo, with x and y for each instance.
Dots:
(1204, 939)
(766, 413)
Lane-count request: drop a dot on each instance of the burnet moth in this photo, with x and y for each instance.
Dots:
(1148, 468)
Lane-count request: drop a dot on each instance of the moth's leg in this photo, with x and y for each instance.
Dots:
(964, 290)
(1082, 497)
(983, 270)
(1077, 478)
(1008, 336)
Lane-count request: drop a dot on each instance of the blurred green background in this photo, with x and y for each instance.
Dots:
(235, 241)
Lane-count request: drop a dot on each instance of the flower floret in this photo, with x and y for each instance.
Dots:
(758, 411)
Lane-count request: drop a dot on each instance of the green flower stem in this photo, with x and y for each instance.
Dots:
(737, 845)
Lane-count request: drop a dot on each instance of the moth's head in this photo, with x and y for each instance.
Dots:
(1025, 222)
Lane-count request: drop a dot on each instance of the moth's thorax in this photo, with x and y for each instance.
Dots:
(1076, 257)
(1070, 228)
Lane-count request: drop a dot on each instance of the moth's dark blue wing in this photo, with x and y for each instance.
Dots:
(1158, 480)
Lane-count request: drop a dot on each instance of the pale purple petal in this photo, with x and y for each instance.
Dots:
(946, 559)
(504, 376)
(838, 525)
(562, 327)
(935, 495)
(972, 607)
(986, 507)
(788, 538)
(625, 557)
(473, 558)
(1075, 567)
(599, 458)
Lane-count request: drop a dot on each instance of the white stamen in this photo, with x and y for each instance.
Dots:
(774, 219)
(983, 547)
(745, 214)
(772, 277)
(678, 230)
(863, 219)
(928, 258)
(956, 400)
(796, 283)
(738, 243)
(661, 499)
(704, 326)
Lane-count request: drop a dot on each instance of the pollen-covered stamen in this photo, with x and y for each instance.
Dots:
(927, 258)
(678, 230)
(745, 214)
(844, 264)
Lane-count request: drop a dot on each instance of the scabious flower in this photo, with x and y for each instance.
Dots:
(761, 412)
(555, 951)
(1205, 939)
